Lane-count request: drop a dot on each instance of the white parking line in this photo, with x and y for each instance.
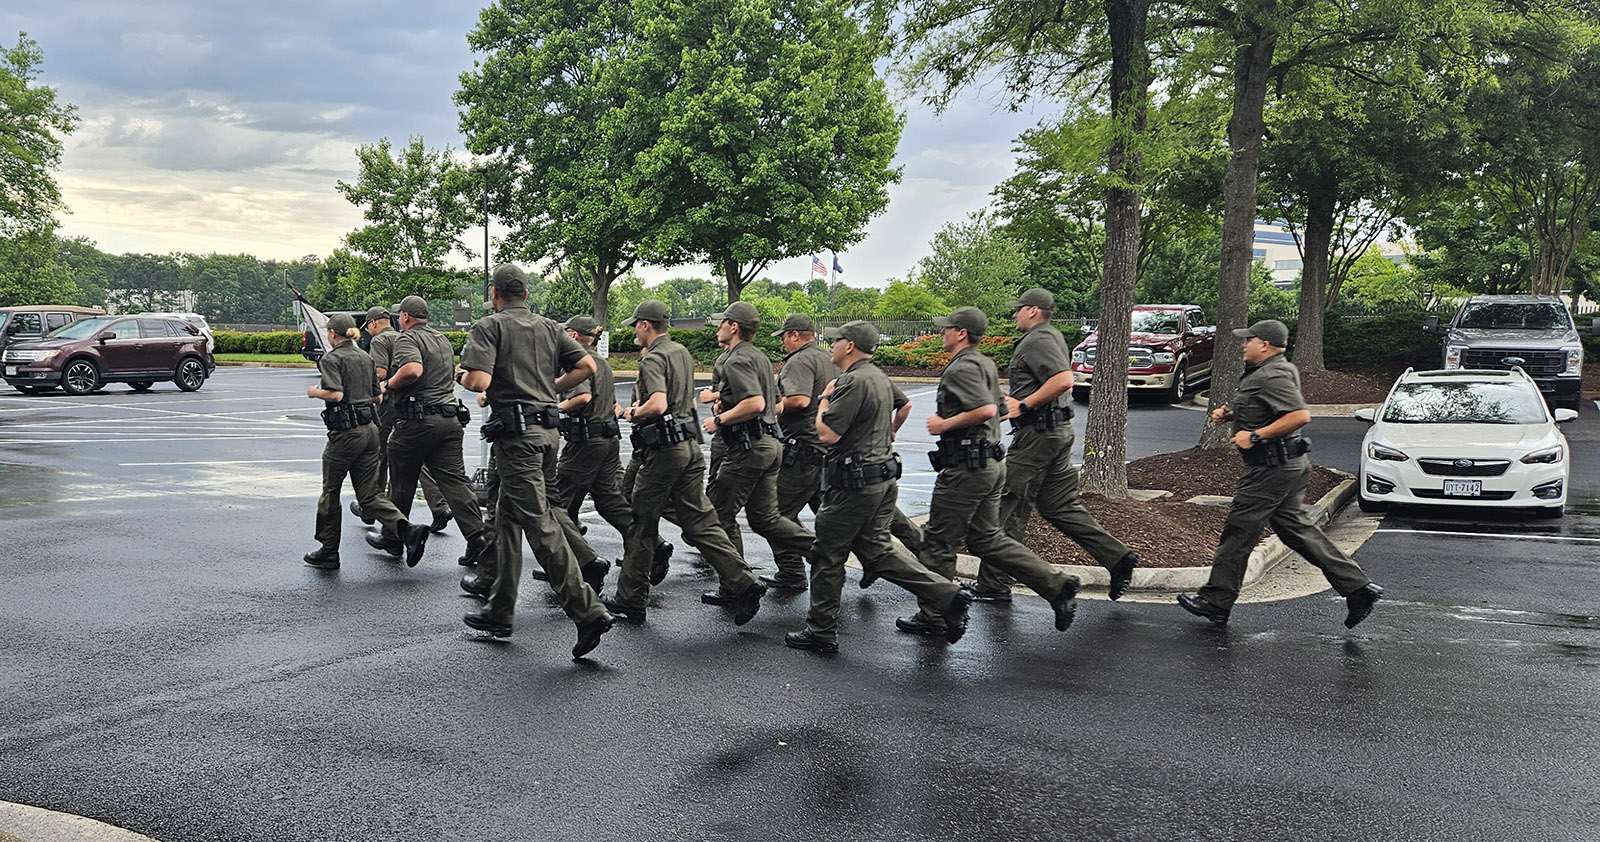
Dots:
(186, 438)
(216, 462)
(1491, 535)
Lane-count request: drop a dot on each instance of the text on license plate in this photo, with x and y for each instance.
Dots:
(1463, 487)
(11, 371)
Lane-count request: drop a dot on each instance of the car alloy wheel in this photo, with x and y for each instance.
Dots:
(80, 378)
(191, 374)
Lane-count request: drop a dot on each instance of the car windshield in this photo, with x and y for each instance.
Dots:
(1524, 316)
(1465, 403)
(1155, 321)
(82, 329)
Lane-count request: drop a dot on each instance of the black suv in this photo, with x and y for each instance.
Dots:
(87, 354)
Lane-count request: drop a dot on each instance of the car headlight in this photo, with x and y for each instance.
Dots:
(1574, 361)
(1549, 455)
(30, 356)
(1385, 454)
(1163, 358)
(1080, 357)
(1452, 356)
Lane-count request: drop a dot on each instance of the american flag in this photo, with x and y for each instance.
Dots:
(817, 266)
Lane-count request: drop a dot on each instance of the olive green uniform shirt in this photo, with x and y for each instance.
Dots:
(382, 350)
(970, 381)
(1039, 355)
(861, 411)
(1267, 392)
(601, 387)
(745, 373)
(422, 344)
(806, 371)
(348, 369)
(669, 368)
(523, 352)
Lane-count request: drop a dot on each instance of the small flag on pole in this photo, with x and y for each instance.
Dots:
(836, 267)
(817, 266)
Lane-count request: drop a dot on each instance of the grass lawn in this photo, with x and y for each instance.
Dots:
(264, 358)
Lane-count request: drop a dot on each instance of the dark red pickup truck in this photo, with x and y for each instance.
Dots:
(1169, 352)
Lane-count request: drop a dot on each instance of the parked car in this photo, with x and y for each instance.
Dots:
(1465, 436)
(87, 354)
(195, 319)
(34, 321)
(1532, 332)
(1169, 352)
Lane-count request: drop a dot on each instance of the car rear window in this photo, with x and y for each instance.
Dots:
(1465, 403)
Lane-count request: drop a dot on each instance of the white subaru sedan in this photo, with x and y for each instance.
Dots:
(1465, 437)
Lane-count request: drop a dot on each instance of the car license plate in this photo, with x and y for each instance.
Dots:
(11, 371)
(1463, 487)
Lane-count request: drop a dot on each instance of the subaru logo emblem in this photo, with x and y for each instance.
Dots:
(1463, 463)
(1512, 360)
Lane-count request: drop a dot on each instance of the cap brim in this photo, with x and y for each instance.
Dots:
(1014, 306)
(630, 321)
(718, 318)
(779, 332)
(941, 321)
(832, 333)
(1242, 332)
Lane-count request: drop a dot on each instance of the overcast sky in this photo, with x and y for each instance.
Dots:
(223, 126)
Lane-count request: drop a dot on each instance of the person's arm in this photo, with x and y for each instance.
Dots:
(1059, 384)
(407, 375)
(575, 402)
(476, 381)
(793, 403)
(324, 394)
(1286, 424)
(900, 416)
(709, 396)
(962, 420)
(742, 411)
(654, 407)
(582, 370)
(825, 433)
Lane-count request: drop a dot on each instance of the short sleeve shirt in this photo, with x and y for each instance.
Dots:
(422, 344)
(348, 369)
(969, 382)
(1267, 392)
(806, 371)
(668, 367)
(523, 352)
(745, 373)
(861, 411)
(1039, 355)
(602, 389)
(382, 350)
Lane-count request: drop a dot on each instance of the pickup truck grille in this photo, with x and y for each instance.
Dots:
(1478, 468)
(1137, 357)
(1536, 363)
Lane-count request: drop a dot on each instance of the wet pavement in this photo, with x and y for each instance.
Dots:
(167, 665)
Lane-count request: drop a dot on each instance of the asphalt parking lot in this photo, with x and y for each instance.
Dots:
(168, 665)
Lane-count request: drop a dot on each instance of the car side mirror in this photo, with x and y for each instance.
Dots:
(1564, 415)
(1370, 413)
(1431, 324)
(105, 335)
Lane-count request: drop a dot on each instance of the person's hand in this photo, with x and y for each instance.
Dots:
(707, 396)
(709, 425)
(936, 425)
(311, 391)
(827, 391)
(1221, 414)
(483, 399)
(1013, 406)
(1242, 439)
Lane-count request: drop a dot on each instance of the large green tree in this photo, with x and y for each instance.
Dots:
(416, 201)
(31, 269)
(776, 134)
(32, 123)
(974, 263)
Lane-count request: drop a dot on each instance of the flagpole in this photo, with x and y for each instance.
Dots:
(833, 282)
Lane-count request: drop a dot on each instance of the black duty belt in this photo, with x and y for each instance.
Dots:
(1045, 418)
(852, 473)
(970, 452)
(797, 452)
(576, 429)
(745, 434)
(344, 416)
(1270, 453)
(511, 420)
(663, 431)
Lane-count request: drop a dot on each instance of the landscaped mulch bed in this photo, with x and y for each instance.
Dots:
(1169, 532)
(1323, 387)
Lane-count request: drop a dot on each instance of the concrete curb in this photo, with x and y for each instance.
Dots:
(22, 823)
(1267, 555)
(241, 364)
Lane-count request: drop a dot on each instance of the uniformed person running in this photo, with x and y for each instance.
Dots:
(420, 391)
(1267, 415)
(591, 464)
(965, 511)
(380, 340)
(1039, 470)
(745, 421)
(858, 498)
(806, 372)
(671, 468)
(900, 526)
(512, 356)
(349, 386)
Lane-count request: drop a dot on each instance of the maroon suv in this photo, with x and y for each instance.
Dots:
(87, 354)
(1170, 351)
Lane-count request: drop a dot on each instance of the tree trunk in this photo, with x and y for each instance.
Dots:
(1251, 72)
(1316, 244)
(1105, 468)
(600, 297)
(734, 276)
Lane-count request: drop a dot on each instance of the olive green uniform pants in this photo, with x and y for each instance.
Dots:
(353, 453)
(432, 446)
(966, 513)
(673, 475)
(593, 468)
(430, 489)
(1039, 473)
(857, 520)
(748, 480)
(525, 465)
(1274, 495)
(799, 485)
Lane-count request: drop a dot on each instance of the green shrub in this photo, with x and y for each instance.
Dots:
(274, 342)
(1394, 340)
(458, 339)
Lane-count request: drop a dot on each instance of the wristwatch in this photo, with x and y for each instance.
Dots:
(1022, 405)
(1254, 439)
